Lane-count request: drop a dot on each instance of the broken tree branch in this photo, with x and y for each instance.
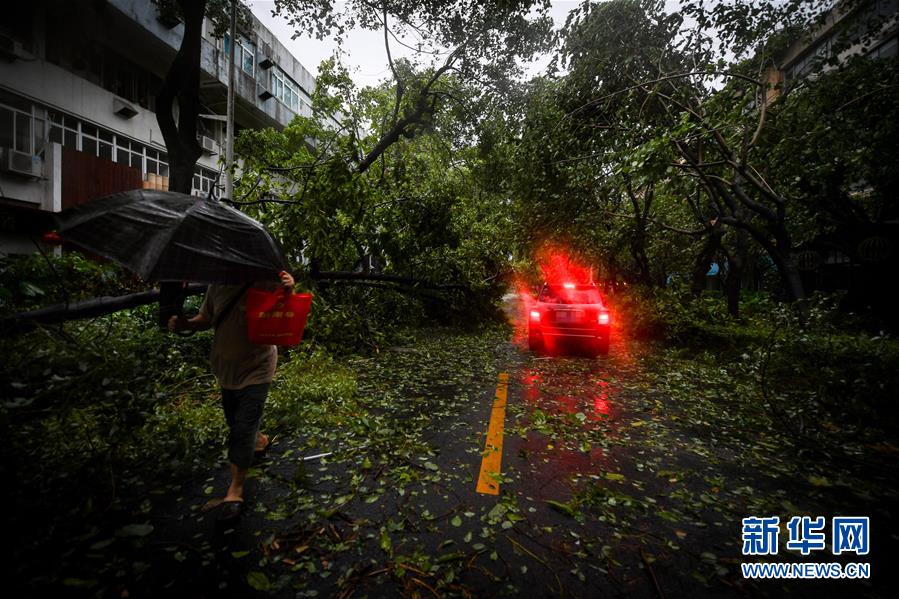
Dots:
(336, 275)
(91, 308)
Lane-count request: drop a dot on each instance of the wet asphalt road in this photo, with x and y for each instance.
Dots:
(606, 489)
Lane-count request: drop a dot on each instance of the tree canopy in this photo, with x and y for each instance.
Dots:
(657, 145)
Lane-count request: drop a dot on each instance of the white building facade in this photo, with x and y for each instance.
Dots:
(78, 81)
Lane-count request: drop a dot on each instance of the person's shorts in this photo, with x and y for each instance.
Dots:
(243, 412)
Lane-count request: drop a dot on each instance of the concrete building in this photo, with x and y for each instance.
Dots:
(78, 80)
(849, 29)
(855, 257)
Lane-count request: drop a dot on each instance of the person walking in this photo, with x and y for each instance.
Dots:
(244, 372)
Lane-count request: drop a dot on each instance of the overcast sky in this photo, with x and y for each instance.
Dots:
(364, 51)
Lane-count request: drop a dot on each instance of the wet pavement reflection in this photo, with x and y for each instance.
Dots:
(564, 427)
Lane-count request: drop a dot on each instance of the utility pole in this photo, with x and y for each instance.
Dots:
(229, 135)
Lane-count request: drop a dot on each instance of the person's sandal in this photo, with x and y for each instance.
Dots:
(230, 511)
(261, 452)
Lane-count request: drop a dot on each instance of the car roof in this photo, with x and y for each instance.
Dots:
(556, 287)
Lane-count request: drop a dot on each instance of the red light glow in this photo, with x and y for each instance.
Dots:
(601, 407)
(603, 318)
(535, 315)
(557, 265)
(51, 238)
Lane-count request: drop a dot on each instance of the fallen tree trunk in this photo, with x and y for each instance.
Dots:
(98, 306)
(422, 294)
(101, 306)
(338, 275)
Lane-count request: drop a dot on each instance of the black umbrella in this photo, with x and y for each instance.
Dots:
(168, 236)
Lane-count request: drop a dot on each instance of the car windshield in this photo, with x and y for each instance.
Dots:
(574, 294)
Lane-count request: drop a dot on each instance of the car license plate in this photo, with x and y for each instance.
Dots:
(567, 315)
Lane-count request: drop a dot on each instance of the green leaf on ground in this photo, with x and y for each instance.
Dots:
(562, 508)
(135, 530)
(259, 581)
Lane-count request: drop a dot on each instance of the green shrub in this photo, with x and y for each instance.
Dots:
(307, 387)
(34, 281)
(674, 316)
(821, 363)
(347, 319)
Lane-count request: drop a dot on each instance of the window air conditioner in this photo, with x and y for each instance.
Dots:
(263, 92)
(12, 49)
(208, 144)
(265, 56)
(123, 108)
(20, 163)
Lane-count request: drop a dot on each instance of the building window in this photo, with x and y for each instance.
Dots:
(29, 131)
(888, 49)
(887, 8)
(7, 126)
(289, 93)
(70, 133)
(203, 181)
(157, 163)
(97, 141)
(248, 58)
(22, 130)
(244, 53)
(100, 64)
(105, 144)
(25, 132)
(89, 139)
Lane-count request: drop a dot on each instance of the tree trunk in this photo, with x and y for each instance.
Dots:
(641, 202)
(638, 251)
(792, 279)
(91, 308)
(182, 84)
(336, 275)
(788, 271)
(704, 260)
(735, 269)
(786, 264)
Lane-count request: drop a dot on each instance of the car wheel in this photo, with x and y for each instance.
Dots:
(535, 344)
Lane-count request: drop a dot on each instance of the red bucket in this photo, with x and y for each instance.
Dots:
(278, 317)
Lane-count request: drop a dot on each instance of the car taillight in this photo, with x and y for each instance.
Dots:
(535, 315)
(603, 318)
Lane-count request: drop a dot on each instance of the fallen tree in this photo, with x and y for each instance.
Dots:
(90, 308)
(101, 306)
(339, 275)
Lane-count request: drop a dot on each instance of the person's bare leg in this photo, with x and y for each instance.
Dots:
(238, 478)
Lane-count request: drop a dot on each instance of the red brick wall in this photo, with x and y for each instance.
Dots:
(86, 177)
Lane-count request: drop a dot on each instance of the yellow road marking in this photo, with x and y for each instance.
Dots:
(493, 449)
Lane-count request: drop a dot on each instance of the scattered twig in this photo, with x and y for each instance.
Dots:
(652, 575)
(420, 582)
(410, 568)
(525, 549)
